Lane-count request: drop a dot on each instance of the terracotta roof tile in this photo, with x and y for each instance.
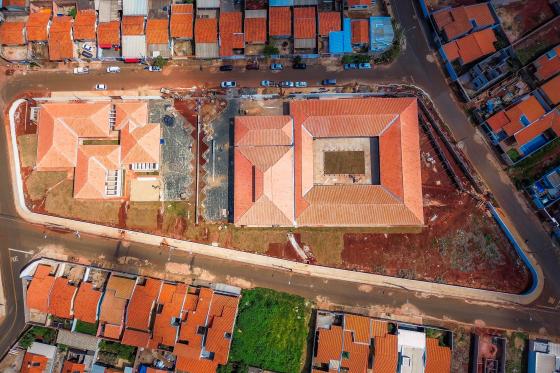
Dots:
(112, 331)
(231, 33)
(36, 26)
(548, 64)
(84, 25)
(459, 21)
(109, 34)
(355, 355)
(329, 21)
(117, 293)
(511, 120)
(378, 328)
(140, 144)
(11, 33)
(73, 367)
(280, 21)
(157, 31)
(305, 23)
(438, 359)
(132, 25)
(360, 31)
(60, 300)
(171, 300)
(86, 303)
(135, 338)
(359, 326)
(181, 22)
(206, 30)
(352, 3)
(141, 304)
(552, 90)
(60, 39)
(471, 47)
(255, 30)
(549, 121)
(40, 288)
(385, 354)
(329, 344)
(93, 165)
(33, 363)
(181, 8)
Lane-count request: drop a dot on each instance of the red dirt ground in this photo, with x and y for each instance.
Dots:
(521, 17)
(418, 255)
(539, 42)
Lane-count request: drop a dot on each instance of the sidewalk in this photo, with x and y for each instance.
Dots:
(433, 289)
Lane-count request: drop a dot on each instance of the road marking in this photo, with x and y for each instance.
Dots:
(21, 251)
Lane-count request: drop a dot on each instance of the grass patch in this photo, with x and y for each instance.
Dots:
(61, 202)
(38, 182)
(271, 331)
(345, 162)
(326, 245)
(142, 215)
(514, 155)
(27, 145)
(121, 351)
(86, 327)
(517, 349)
(532, 167)
(37, 334)
(257, 239)
(101, 142)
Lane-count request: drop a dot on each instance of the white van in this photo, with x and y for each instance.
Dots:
(113, 69)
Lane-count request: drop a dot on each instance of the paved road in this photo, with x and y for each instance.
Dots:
(413, 66)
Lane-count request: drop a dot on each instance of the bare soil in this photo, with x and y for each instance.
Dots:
(538, 43)
(438, 4)
(519, 18)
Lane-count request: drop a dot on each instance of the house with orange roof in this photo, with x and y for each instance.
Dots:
(331, 185)
(167, 319)
(61, 45)
(87, 302)
(139, 312)
(109, 39)
(157, 38)
(305, 28)
(181, 30)
(360, 32)
(329, 22)
(206, 38)
(85, 25)
(255, 31)
(37, 26)
(39, 358)
(73, 367)
(112, 314)
(232, 38)
(13, 41)
(547, 65)
(280, 22)
(551, 90)
(38, 292)
(471, 47)
(452, 23)
(61, 299)
(206, 330)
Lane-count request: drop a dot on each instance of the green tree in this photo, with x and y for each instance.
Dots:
(297, 60)
(159, 61)
(72, 13)
(270, 50)
(347, 58)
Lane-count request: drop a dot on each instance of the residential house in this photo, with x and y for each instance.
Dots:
(551, 91)
(139, 312)
(87, 302)
(181, 28)
(340, 42)
(207, 4)
(305, 29)
(544, 356)
(61, 299)
(157, 38)
(108, 10)
(280, 22)
(38, 293)
(206, 38)
(109, 40)
(61, 45)
(382, 34)
(168, 315)
(73, 367)
(547, 65)
(15, 6)
(39, 358)
(232, 39)
(360, 34)
(255, 31)
(13, 41)
(113, 306)
(453, 23)
(488, 353)
(134, 47)
(471, 47)
(85, 27)
(135, 8)
(411, 345)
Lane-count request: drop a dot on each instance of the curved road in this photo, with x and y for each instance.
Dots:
(415, 65)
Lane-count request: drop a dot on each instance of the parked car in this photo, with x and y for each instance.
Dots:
(113, 69)
(87, 47)
(100, 87)
(365, 65)
(299, 66)
(301, 84)
(228, 84)
(287, 84)
(87, 54)
(268, 83)
(81, 70)
(252, 66)
(226, 68)
(276, 66)
(350, 66)
(328, 82)
(152, 68)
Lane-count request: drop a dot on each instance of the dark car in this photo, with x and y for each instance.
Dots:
(329, 82)
(87, 54)
(226, 67)
(299, 66)
(252, 66)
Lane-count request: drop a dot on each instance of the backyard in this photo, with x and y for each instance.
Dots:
(538, 43)
(519, 18)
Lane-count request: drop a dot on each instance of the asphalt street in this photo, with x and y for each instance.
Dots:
(416, 65)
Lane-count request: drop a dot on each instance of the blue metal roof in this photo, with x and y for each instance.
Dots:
(281, 2)
(341, 41)
(381, 33)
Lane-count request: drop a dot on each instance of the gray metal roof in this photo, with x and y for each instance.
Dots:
(207, 50)
(208, 3)
(134, 46)
(135, 7)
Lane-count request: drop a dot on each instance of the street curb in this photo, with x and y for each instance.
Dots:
(433, 289)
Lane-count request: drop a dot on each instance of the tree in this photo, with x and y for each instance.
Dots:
(270, 50)
(73, 12)
(347, 58)
(297, 60)
(159, 61)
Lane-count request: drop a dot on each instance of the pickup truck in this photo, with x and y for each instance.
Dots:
(81, 70)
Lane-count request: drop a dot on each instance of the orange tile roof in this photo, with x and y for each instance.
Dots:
(549, 121)
(36, 26)
(86, 303)
(359, 325)
(93, 164)
(140, 144)
(360, 31)
(40, 288)
(438, 358)
(112, 331)
(117, 292)
(132, 25)
(329, 21)
(109, 33)
(280, 21)
(385, 354)
(548, 66)
(136, 338)
(552, 90)
(379, 328)
(34, 363)
(21, 3)
(231, 33)
(84, 25)
(206, 30)
(61, 298)
(72, 367)
(181, 22)
(60, 39)
(255, 30)
(157, 31)
(510, 120)
(171, 299)
(305, 23)
(11, 33)
(131, 113)
(357, 354)
(352, 3)
(329, 344)
(457, 21)
(471, 47)
(139, 309)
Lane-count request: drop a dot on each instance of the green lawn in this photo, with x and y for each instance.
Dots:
(271, 331)
(86, 327)
(39, 334)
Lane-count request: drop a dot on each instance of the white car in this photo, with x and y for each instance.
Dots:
(267, 83)
(301, 84)
(81, 70)
(287, 84)
(228, 84)
(113, 69)
(100, 87)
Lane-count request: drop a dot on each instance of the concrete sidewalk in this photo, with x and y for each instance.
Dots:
(434, 289)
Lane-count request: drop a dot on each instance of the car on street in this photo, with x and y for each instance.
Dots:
(100, 87)
(276, 66)
(301, 84)
(328, 82)
(152, 68)
(226, 68)
(87, 54)
(113, 69)
(268, 83)
(252, 66)
(228, 84)
(81, 70)
(287, 84)
(365, 65)
(350, 66)
(299, 66)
